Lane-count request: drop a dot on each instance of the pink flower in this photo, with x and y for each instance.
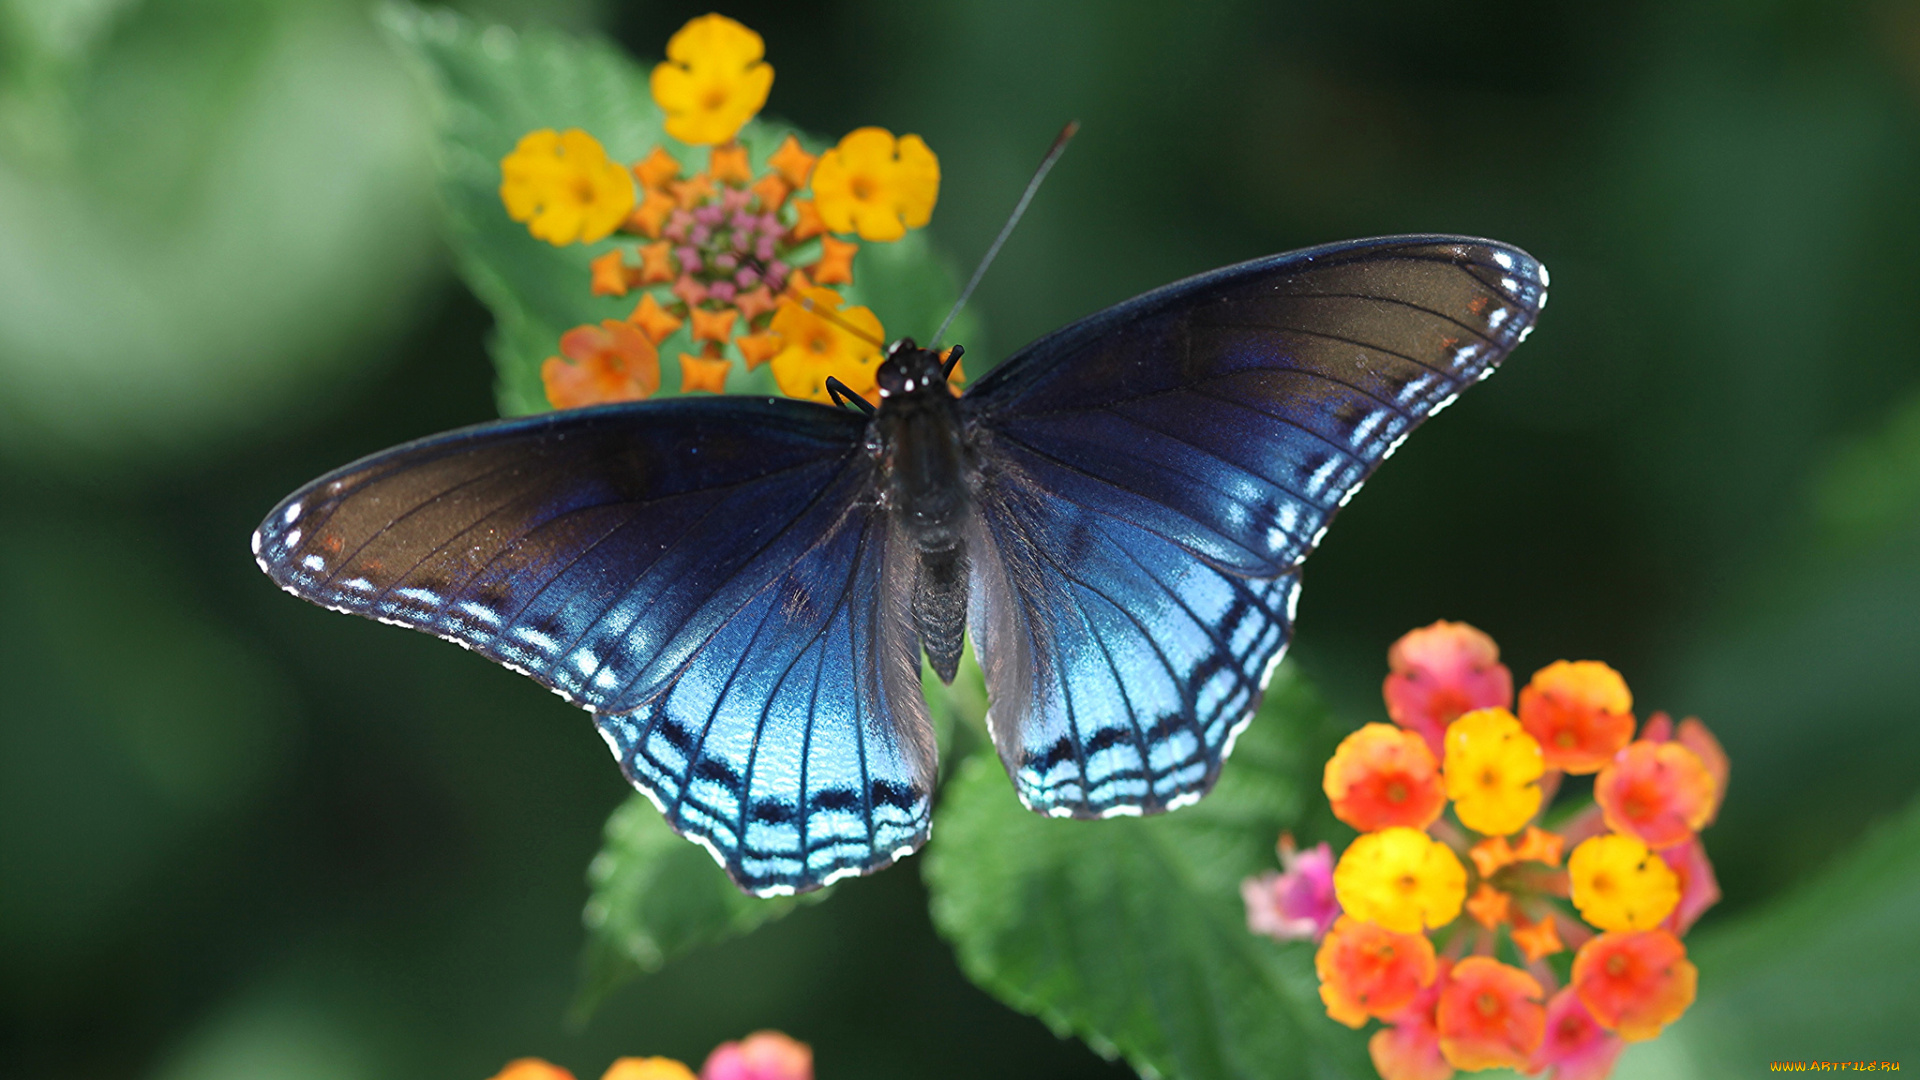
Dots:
(1576, 1046)
(1295, 905)
(1440, 673)
(1699, 889)
(1409, 1047)
(763, 1055)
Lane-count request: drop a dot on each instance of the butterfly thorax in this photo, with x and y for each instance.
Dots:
(927, 466)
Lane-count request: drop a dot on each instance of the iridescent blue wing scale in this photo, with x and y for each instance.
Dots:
(679, 568)
(1153, 477)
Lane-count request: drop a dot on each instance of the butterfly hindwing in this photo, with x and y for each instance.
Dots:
(676, 567)
(1153, 477)
(796, 743)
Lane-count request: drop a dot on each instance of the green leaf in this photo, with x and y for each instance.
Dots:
(1130, 933)
(657, 896)
(493, 85)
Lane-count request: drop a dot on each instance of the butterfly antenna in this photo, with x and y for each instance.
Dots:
(1046, 165)
(832, 316)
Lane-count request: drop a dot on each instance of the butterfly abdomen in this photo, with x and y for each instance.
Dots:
(928, 472)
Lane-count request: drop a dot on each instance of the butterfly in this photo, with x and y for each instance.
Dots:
(740, 589)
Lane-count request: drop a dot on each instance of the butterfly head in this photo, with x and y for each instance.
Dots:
(910, 369)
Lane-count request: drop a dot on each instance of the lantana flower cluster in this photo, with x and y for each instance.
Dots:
(1481, 938)
(764, 1055)
(745, 259)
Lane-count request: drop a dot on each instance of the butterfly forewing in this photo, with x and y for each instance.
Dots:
(679, 568)
(1153, 477)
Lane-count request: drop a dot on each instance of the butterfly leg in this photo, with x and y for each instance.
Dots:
(842, 395)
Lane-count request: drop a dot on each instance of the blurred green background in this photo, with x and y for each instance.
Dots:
(241, 837)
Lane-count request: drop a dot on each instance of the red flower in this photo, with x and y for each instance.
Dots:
(1635, 982)
(1490, 1015)
(1409, 1047)
(1659, 792)
(1382, 776)
(1580, 712)
(1367, 970)
(1441, 672)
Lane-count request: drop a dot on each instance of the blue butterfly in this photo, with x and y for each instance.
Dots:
(740, 589)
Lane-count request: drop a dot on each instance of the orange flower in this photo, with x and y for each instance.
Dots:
(651, 214)
(1576, 1047)
(759, 348)
(1659, 792)
(792, 163)
(610, 362)
(807, 223)
(771, 191)
(1367, 970)
(1491, 855)
(754, 302)
(713, 325)
(728, 164)
(692, 191)
(656, 170)
(1441, 672)
(836, 262)
(656, 262)
(703, 373)
(1539, 845)
(609, 274)
(1635, 982)
(1382, 776)
(1490, 1015)
(1580, 712)
(532, 1069)
(653, 320)
(1489, 906)
(1538, 940)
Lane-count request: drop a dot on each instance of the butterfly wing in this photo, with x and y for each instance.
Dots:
(1154, 475)
(711, 577)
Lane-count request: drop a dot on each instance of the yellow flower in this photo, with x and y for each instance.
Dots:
(1401, 879)
(563, 185)
(813, 348)
(876, 185)
(1490, 768)
(1620, 884)
(713, 80)
(651, 1068)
